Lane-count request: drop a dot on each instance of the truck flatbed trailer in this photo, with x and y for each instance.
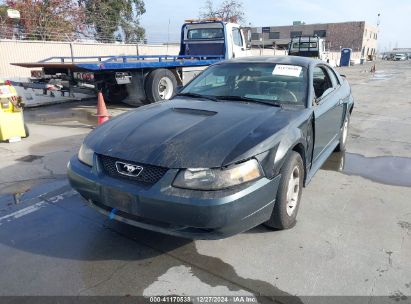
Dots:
(105, 63)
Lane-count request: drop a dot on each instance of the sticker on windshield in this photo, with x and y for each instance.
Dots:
(287, 70)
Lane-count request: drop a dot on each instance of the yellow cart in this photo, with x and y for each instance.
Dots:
(12, 127)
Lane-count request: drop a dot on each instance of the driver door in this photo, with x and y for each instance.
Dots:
(327, 111)
(239, 48)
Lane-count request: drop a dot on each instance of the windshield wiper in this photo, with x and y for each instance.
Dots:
(249, 99)
(195, 95)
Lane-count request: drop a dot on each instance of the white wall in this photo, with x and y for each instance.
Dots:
(15, 51)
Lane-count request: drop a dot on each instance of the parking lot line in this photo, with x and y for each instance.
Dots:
(33, 208)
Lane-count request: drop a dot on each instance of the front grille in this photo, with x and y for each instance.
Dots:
(150, 174)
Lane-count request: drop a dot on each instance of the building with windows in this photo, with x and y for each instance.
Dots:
(360, 36)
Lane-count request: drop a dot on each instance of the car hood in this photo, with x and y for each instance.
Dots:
(186, 133)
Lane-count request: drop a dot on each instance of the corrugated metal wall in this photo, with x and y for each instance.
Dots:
(13, 51)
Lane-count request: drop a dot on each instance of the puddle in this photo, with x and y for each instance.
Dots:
(57, 117)
(389, 170)
(382, 75)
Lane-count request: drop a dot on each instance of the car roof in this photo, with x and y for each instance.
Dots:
(293, 60)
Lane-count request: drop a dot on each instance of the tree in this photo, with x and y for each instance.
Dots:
(48, 19)
(229, 11)
(107, 17)
(3, 14)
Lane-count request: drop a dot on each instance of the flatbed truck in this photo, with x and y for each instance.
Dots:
(309, 46)
(141, 79)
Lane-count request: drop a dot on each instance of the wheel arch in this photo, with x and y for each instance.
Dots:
(300, 149)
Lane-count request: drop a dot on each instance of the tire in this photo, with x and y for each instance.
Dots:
(26, 130)
(284, 215)
(344, 134)
(160, 85)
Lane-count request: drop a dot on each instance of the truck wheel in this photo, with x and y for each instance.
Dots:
(344, 134)
(160, 85)
(289, 192)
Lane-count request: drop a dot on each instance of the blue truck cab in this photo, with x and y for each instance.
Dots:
(137, 79)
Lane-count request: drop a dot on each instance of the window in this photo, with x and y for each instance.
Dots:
(334, 80)
(295, 34)
(205, 33)
(255, 36)
(274, 35)
(320, 33)
(304, 45)
(321, 82)
(237, 39)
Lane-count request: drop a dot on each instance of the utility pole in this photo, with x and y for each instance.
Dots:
(378, 30)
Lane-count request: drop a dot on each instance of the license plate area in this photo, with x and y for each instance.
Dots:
(123, 78)
(119, 200)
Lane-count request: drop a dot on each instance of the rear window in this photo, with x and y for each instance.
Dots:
(304, 45)
(205, 33)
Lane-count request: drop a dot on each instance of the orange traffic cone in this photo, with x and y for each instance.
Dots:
(102, 112)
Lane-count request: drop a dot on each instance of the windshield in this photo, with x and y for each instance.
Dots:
(271, 82)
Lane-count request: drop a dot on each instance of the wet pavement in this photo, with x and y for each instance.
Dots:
(389, 170)
(353, 236)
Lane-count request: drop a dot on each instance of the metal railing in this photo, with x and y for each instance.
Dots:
(12, 33)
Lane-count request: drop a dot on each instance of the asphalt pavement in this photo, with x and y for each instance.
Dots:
(353, 236)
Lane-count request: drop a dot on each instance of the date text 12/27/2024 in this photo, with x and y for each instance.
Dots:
(203, 299)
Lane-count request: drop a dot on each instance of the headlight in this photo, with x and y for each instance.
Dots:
(216, 179)
(85, 155)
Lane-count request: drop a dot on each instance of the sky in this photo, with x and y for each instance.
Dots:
(164, 18)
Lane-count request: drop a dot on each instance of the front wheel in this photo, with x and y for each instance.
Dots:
(160, 85)
(289, 192)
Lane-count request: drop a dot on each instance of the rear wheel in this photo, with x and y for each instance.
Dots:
(160, 85)
(289, 192)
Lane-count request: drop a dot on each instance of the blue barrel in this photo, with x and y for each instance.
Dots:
(345, 57)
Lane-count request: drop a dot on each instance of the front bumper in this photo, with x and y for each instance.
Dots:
(169, 210)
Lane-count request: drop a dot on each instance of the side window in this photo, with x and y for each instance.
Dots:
(237, 39)
(333, 78)
(321, 82)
